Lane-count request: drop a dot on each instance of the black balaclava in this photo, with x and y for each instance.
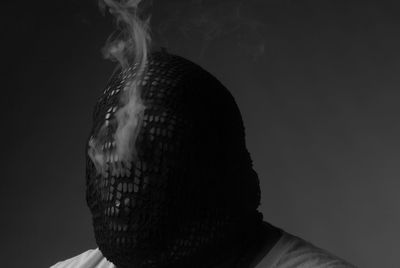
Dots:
(189, 197)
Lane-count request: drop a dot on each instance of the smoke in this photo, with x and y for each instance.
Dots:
(207, 21)
(129, 46)
(129, 118)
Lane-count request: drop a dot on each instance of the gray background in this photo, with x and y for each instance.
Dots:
(316, 81)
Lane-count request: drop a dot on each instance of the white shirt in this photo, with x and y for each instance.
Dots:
(289, 252)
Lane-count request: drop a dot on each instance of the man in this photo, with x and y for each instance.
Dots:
(189, 196)
(170, 182)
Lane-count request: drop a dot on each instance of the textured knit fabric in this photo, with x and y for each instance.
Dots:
(189, 194)
(289, 252)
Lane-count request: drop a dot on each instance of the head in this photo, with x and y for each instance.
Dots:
(188, 187)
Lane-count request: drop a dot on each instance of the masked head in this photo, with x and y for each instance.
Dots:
(190, 190)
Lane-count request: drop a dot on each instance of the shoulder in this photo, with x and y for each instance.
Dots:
(294, 252)
(92, 258)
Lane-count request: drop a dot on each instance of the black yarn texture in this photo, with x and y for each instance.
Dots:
(191, 196)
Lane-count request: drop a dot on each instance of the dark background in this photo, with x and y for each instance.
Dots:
(318, 86)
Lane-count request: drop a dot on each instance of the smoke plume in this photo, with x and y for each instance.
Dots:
(129, 46)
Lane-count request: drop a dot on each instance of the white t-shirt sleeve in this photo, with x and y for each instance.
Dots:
(293, 252)
(92, 258)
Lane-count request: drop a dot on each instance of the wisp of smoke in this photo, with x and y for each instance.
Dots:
(209, 20)
(132, 42)
(129, 48)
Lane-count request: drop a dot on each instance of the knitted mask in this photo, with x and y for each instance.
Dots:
(188, 192)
